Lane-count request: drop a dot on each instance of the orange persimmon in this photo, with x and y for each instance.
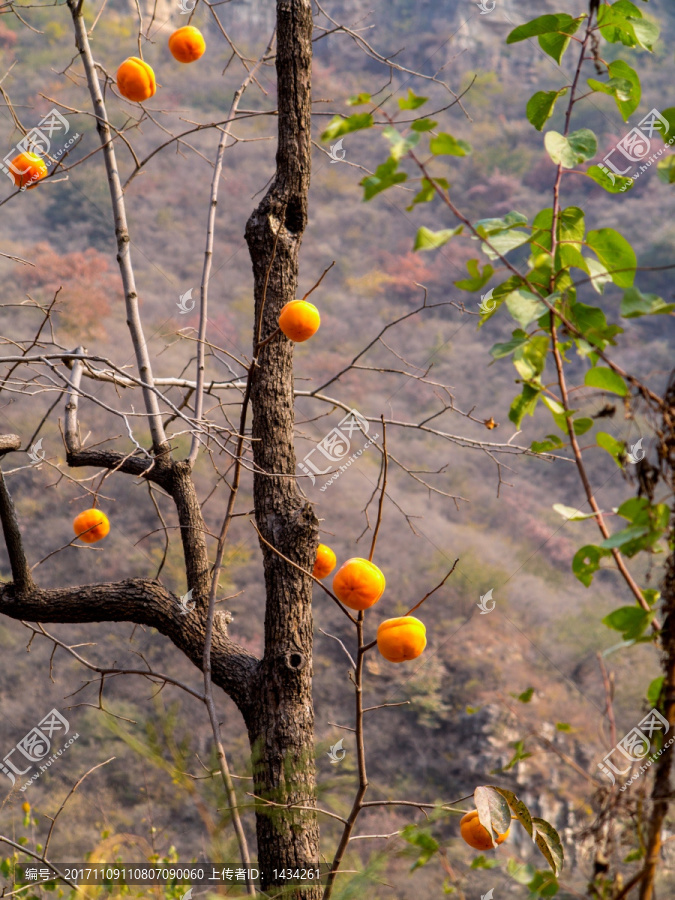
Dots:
(187, 44)
(358, 583)
(136, 80)
(476, 835)
(401, 639)
(326, 561)
(299, 320)
(27, 169)
(91, 525)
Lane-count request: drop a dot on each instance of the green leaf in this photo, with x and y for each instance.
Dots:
(612, 183)
(521, 873)
(518, 338)
(543, 884)
(491, 226)
(400, 145)
(386, 175)
(616, 449)
(493, 810)
(552, 442)
(517, 807)
(519, 753)
(540, 106)
(482, 862)
(542, 25)
(591, 322)
(615, 253)
(431, 240)
(504, 241)
(526, 696)
(563, 726)
(571, 226)
(635, 303)
(571, 513)
(421, 839)
(654, 692)
(665, 169)
(599, 275)
(359, 99)
(426, 193)
(582, 425)
(569, 151)
(646, 33)
(631, 621)
(495, 298)
(626, 104)
(530, 358)
(623, 85)
(338, 125)
(586, 562)
(606, 380)
(669, 115)
(413, 101)
(446, 145)
(552, 31)
(424, 125)
(549, 843)
(571, 229)
(628, 540)
(477, 279)
(524, 404)
(524, 306)
(554, 44)
(651, 596)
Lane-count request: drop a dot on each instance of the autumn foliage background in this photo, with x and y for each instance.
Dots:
(464, 721)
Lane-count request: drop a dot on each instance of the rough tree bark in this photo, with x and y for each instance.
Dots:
(281, 727)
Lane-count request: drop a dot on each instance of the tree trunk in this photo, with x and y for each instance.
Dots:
(281, 723)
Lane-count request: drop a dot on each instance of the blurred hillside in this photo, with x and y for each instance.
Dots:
(463, 721)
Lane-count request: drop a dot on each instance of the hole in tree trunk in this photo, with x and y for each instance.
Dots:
(295, 660)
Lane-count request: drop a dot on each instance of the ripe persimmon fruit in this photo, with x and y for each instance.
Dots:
(358, 583)
(476, 835)
(299, 320)
(401, 639)
(187, 44)
(27, 169)
(91, 525)
(136, 80)
(326, 561)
